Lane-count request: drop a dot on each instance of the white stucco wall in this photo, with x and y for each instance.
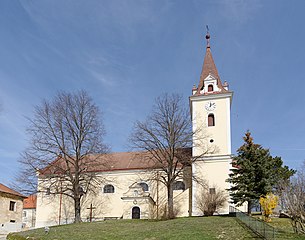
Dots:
(212, 168)
(10, 221)
(220, 133)
(29, 218)
(111, 205)
(213, 173)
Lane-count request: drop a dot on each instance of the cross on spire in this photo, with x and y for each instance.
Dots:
(207, 36)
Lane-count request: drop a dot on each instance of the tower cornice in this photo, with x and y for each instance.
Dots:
(212, 96)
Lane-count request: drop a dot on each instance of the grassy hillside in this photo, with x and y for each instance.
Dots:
(179, 229)
(182, 228)
(284, 229)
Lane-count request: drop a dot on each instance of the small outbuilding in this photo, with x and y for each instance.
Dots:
(29, 212)
(11, 207)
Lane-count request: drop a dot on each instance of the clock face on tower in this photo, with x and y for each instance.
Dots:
(210, 106)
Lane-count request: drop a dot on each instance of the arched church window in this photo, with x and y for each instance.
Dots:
(108, 188)
(210, 88)
(144, 186)
(179, 185)
(212, 191)
(211, 120)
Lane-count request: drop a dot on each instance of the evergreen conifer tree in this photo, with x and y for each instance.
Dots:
(255, 173)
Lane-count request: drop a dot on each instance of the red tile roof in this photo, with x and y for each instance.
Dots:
(110, 162)
(30, 202)
(5, 189)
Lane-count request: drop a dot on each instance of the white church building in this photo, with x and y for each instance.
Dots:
(128, 191)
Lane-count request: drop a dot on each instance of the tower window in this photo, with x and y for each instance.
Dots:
(109, 189)
(144, 186)
(211, 120)
(212, 191)
(179, 185)
(210, 88)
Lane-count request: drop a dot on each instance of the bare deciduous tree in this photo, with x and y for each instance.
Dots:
(65, 142)
(211, 200)
(167, 136)
(293, 197)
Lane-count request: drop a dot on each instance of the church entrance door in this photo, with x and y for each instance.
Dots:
(135, 213)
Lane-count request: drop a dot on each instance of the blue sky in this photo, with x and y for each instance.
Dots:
(125, 53)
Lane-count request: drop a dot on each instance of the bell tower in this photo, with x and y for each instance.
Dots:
(210, 105)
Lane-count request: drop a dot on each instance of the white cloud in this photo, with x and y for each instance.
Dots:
(102, 78)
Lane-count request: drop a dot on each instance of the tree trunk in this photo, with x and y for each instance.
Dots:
(77, 210)
(249, 207)
(170, 201)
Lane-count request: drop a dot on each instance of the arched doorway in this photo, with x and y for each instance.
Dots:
(135, 213)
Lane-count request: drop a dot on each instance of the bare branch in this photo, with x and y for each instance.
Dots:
(293, 196)
(167, 136)
(66, 139)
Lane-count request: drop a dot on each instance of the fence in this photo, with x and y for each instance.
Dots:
(259, 227)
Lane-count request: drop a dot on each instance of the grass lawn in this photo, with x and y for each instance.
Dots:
(283, 228)
(215, 227)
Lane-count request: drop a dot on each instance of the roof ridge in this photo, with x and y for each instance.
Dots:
(8, 190)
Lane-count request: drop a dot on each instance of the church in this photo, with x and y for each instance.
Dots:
(128, 191)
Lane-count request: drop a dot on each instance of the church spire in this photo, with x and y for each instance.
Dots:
(209, 70)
